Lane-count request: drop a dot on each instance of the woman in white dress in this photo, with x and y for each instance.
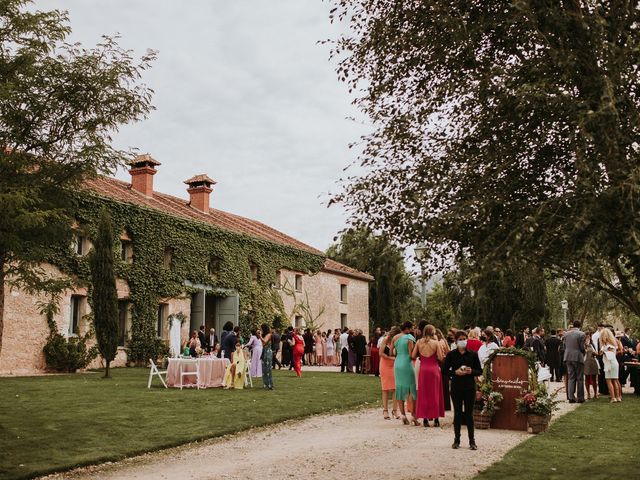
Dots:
(608, 347)
(331, 349)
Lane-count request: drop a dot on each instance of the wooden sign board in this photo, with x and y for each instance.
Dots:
(510, 377)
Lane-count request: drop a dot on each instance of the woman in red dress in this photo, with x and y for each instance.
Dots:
(298, 351)
(375, 356)
(430, 402)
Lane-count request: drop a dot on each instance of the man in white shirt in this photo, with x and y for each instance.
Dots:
(595, 338)
(344, 349)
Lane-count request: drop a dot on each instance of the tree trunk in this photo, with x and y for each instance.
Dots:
(106, 371)
(2, 262)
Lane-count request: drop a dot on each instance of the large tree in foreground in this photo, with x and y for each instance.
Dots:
(59, 106)
(391, 295)
(504, 130)
(104, 294)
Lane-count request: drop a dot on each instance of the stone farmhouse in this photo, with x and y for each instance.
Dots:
(182, 258)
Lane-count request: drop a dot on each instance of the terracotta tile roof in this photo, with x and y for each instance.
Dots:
(121, 191)
(336, 267)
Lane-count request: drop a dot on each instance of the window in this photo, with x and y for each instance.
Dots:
(254, 272)
(162, 309)
(78, 244)
(298, 283)
(123, 322)
(214, 268)
(74, 320)
(343, 293)
(126, 251)
(299, 321)
(343, 320)
(168, 258)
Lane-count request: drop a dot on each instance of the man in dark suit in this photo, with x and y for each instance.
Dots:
(203, 337)
(553, 356)
(537, 345)
(229, 342)
(275, 344)
(574, 350)
(360, 347)
(212, 340)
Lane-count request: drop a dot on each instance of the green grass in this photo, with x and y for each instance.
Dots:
(597, 441)
(59, 422)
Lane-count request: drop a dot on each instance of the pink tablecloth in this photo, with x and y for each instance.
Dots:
(212, 372)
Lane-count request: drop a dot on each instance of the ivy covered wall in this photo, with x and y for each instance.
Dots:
(192, 246)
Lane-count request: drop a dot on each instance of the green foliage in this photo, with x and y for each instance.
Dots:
(503, 131)
(104, 294)
(509, 298)
(193, 244)
(392, 290)
(64, 354)
(538, 401)
(439, 310)
(61, 104)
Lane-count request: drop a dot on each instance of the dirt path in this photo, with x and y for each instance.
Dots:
(358, 445)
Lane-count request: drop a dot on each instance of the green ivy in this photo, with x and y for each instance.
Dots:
(193, 245)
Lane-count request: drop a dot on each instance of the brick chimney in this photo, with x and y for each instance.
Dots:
(142, 170)
(199, 192)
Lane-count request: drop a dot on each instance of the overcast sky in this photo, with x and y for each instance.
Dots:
(243, 93)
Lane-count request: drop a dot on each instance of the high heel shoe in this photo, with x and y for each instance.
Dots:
(385, 415)
(425, 423)
(395, 414)
(436, 422)
(405, 420)
(415, 422)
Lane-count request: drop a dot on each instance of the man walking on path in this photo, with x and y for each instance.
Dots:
(574, 350)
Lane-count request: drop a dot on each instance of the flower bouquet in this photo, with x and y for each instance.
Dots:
(487, 402)
(538, 405)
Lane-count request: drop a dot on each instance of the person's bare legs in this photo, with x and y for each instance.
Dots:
(385, 404)
(612, 390)
(618, 386)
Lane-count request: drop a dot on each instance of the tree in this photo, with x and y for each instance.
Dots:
(504, 131)
(60, 104)
(510, 298)
(391, 293)
(104, 293)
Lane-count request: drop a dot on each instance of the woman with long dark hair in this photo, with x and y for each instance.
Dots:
(267, 356)
(298, 351)
(405, 377)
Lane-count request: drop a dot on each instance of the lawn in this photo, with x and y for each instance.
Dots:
(598, 440)
(59, 422)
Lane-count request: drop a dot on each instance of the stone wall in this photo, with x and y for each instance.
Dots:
(319, 295)
(26, 330)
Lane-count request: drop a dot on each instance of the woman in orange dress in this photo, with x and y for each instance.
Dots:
(387, 378)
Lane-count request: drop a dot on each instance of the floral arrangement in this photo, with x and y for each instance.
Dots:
(489, 399)
(538, 402)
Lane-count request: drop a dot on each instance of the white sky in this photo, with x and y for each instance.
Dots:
(243, 93)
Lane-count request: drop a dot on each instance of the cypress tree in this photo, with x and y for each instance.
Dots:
(104, 294)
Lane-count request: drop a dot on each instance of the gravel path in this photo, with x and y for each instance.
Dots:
(357, 445)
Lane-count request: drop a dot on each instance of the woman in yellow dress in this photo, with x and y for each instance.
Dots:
(236, 371)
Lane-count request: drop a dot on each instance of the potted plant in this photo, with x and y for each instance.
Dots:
(538, 405)
(487, 402)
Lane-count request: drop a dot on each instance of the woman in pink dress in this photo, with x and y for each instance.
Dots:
(430, 402)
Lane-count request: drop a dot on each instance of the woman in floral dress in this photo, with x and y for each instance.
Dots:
(267, 357)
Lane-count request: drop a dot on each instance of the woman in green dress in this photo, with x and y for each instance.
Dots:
(404, 374)
(267, 357)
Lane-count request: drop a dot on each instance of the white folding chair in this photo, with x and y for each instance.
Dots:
(154, 371)
(187, 374)
(247, 371)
